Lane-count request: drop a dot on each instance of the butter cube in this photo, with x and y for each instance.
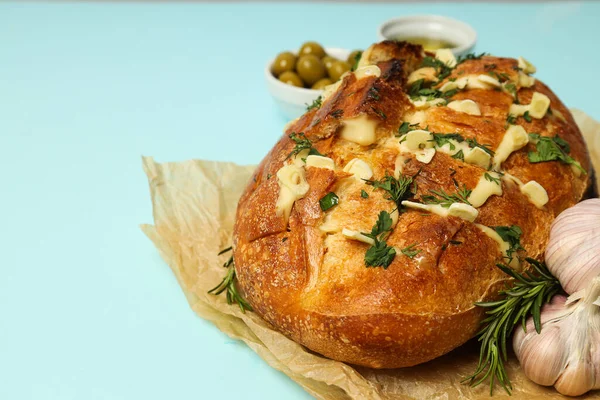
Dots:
(526, 66)
(526, 80)
(539, 105)
(479, 157)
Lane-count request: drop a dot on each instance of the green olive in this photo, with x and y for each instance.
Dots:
(337, 70)
(291, 78)
(321, 83)
(310, 68)
(285, 61)
(328, 61)
(312, 48)
(352, 57)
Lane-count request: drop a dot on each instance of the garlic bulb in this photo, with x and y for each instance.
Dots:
(573, 252)
(566, 353)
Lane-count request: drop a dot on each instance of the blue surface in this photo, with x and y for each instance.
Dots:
(88, 310)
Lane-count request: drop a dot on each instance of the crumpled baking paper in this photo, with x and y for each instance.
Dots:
(194, 205)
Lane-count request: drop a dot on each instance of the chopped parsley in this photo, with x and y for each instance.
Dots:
(410, 251)
(380, 254)
(511, 119)
(441, 139)
(398, 189)
(442, 70)
(511, 88)
(470, 56)
(379, 112)
(315, 104)
(551, 149)
(356, 60)
(511, 235)
(302, 143)
(406, 127)
(373, 93)
(417, 90)
(526, 116)
(329, 200)
(459, 155)
(364, 194)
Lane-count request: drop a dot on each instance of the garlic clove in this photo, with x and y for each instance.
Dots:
(542, 356)
(572, 254)
(577, 379)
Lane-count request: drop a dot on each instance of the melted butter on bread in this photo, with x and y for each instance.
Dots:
(514, 138)
(359, 130)
(485, 188)
(460, 210)
(502, 245)
(537, 108)
(292, 186)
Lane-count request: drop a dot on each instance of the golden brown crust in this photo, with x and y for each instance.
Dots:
(314, 287)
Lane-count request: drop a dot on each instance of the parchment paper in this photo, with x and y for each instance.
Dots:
(194, 206)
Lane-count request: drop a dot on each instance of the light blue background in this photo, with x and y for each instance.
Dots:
(87, 308)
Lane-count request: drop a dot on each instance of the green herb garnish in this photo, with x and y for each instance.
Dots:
(446, 200)
(406, 127)
(441, 139)
(410, 251)
(380, 254)
(356, 60)
(459, 155)
(524, 298)
(302, 143)
(364, 194)
(511, 119)
(551, 149)
(491, 178)
(511, 235)
(315, 104)
(474, 143)
(329, 200)
(470, 56)
(526, 116)
(379, 112)
(398, 189)
(228, 285)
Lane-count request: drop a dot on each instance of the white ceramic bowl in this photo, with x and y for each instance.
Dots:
(431, 26)
(292, 100)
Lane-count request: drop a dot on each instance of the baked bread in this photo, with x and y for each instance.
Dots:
(483, 195)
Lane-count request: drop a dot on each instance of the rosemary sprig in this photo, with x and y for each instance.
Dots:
(445, 200)
(524, 298)
(228, 285)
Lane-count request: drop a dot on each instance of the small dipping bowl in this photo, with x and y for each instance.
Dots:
(435, 30)
(292, 100)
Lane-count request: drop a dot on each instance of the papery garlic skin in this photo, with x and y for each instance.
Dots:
(573, 253)
(566, 353)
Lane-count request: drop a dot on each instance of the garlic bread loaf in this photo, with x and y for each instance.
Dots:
(376, 222)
